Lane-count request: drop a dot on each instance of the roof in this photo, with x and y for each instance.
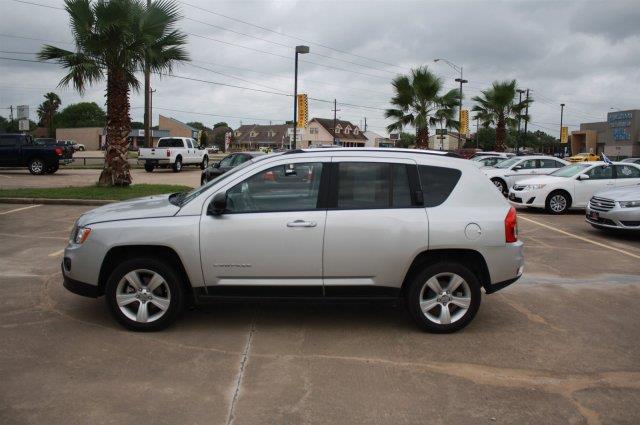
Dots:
(180, 122)
(273, 134)
(382, 151)
(327, 124)
(372, 135)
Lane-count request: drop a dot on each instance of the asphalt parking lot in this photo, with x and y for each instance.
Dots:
(562, 345)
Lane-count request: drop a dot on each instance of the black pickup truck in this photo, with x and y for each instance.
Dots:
(19, 150)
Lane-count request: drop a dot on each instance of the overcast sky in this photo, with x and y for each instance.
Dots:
(583, 53)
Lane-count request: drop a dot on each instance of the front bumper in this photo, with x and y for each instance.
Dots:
(526, 198)
(79, 288)
(617, 218)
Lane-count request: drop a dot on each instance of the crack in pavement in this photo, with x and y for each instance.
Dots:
(243, 362)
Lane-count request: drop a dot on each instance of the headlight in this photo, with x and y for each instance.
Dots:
(629, 204)
(81, 235)
(534, 186)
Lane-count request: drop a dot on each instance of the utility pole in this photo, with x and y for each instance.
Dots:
(11, 113)
(335, 116)
(561, 115)
(477, 140)
(147, 98)
(365, 124)
(526, 120)
(519, 118)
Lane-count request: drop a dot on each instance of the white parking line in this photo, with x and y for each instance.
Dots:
(621, 251)
(20, 209)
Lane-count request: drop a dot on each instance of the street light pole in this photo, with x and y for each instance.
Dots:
(299, 50)
(561, 115)
(460, 80)
(519, 119)
(147, 98)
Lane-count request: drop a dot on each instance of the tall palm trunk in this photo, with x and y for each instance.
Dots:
(116, 171)
(501, 134)
(422, 138)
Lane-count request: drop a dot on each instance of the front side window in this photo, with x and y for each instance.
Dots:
(550, 163)
(288, 187)
(226, 162)
(189, 144)
(600, 172)
(627, 172)
(528, 164)
(437, 183)
(239, 159)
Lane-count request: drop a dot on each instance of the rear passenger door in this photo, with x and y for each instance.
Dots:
(375, 225)
(627, 175)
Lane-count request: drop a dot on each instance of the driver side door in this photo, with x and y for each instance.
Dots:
(271, 234)
(600, 178)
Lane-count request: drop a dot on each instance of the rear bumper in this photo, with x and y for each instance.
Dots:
(490, 289)
(154, 161)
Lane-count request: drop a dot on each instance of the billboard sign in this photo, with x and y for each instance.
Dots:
(564, 134)
(464, 122)
(303, 111)
(23, 125)
(23, 112)
(620, 124)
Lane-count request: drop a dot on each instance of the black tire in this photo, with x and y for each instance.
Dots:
(37, 166)
(500, 184)
(53, 169)
(176, 295)
(81, 148)
(558, 202)
(205, 162)
(177, 166)
(458, 316)
(148, 168)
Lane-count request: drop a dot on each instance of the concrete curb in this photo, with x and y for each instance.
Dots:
(56, 201)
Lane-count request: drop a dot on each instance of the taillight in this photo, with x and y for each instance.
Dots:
(58, 151)
(168, 152)
(511, 226)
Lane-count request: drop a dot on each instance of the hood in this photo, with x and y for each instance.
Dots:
(147, 207)
(544, 179)
(627, 193)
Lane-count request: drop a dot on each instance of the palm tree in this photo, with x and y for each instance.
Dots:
(418, 100)
(48, 109)
(113, 38)
(498, 106)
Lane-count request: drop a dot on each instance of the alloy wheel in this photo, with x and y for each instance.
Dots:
(143, 296)
(558, 203)
(37, 166)
(445, 298)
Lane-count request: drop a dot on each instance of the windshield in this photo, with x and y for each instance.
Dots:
(570, 170)
(508, 163)
(183, 198)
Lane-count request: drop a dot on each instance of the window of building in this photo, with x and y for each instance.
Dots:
(253, 134)
(437, 183)
(237, 134)
(347, 130)
(338, 128)
(356, 131)
(288, 187)
(313, 130)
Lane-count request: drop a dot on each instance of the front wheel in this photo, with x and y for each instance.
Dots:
(177, 166)
(557, 202)
(144, 294)
(443, 297)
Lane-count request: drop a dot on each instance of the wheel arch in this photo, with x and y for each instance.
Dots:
(466, 257)
(121, 253)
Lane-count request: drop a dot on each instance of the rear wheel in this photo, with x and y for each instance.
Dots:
(37, 166)
(52, 169)
(501, 185)
(177, 166)
(144, 294)
(558, 202)
(443, 297)
(148, 168)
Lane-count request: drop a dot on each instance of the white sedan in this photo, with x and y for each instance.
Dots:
(507, 173)
(573, 185)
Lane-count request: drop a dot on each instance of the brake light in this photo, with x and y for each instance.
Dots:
(58, 151)
(511, 226)
(168, 152)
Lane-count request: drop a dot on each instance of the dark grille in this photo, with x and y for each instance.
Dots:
(631, 223)
(601, 204)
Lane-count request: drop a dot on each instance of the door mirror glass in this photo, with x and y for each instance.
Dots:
(218, 205)
(517, 167)
(583, 177)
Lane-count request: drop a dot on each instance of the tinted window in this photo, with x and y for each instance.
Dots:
(171, 143)
(289, 187)
(401, 190)
(627, 172)
(600, 172)
(550, 163)
(528, 164)
(363, 185)
(226, 162)
(189, 144)
(8, 140)
(437, 183)
(239, 159)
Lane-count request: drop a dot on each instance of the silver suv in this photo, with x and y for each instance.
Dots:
(327, 223)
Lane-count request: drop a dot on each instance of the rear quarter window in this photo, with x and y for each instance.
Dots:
(437, 183)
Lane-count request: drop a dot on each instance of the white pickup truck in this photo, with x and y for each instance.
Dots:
(174, 152)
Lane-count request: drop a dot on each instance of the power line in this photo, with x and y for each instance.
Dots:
(233, 76)
(34, 39)
(25, 60)
(38, 4)
(208, 114)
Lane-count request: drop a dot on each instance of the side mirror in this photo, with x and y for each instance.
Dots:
(517, 167)
(216, 165)
(583, 177)
(218, 205)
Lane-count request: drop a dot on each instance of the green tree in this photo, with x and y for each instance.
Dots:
(83, 114)
(47, 110)
(417, 102)
(406, 140)
(202, 138)
(198, 125)
(220, 124)
(115, 40)
(499, 107)
(137, 125)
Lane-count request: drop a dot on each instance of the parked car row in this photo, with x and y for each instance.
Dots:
(40, 157)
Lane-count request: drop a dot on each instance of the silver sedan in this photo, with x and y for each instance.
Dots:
(615, 209)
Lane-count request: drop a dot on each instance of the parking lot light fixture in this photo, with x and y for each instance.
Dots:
(300, 50)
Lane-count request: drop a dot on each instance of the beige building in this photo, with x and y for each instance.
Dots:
(449, 142)
(91, 137)
(177, 128)
(617, 137)
(320, 132)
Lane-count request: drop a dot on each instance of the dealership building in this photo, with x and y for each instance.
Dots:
(617, 137)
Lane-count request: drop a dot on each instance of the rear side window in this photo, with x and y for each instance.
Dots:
(366, 185)
(550, 163)
(8, 140)
(627, 172)
(171, 143)
(437, 183)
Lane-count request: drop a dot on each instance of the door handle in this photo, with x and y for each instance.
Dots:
(302, 223)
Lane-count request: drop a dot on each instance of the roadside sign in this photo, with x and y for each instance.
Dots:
(394, 136)
(303, 111)
(564, 134)
(23, 112)
(464, 122)
(23, 125)
(442, 131)
(227, 140)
